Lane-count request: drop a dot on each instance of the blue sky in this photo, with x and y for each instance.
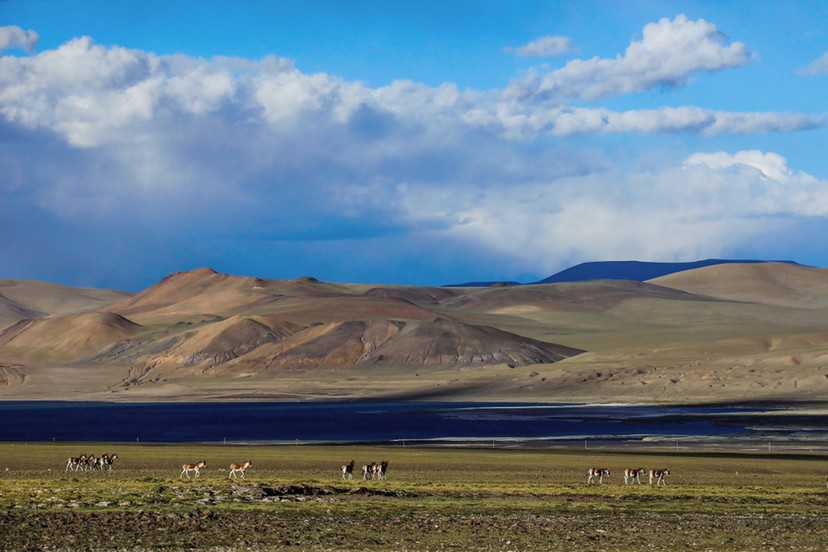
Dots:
(406, 143)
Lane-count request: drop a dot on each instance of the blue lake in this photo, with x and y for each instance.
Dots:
(368, 421)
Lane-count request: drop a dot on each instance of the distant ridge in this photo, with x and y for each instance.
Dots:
(484, 284)
(636, 271)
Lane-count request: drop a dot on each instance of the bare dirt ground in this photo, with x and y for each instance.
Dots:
(385, 526)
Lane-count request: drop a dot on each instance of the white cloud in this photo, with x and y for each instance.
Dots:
(818, 66)
(668, 52)
(12, 36)
(90, 94)
(140, 144)
(202, 90)
(764, 181)
(709, 204)
(547, 46)
(82, 91)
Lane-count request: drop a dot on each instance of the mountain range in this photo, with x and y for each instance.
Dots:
(704, 332)
(637, 271)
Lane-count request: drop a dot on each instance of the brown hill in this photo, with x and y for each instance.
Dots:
(436, 342)
(199, 291)
(21, 299)
(71, 337)
(186, 350)
(769, 283)
(704, 335)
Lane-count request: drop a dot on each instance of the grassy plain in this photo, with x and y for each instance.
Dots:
(434, 499)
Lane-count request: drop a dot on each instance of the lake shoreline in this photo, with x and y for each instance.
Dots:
(470, 424)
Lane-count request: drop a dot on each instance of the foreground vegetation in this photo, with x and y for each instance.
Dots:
(294, 497)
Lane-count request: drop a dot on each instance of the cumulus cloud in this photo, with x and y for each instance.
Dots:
(231, 155)
(93, 95)
(12, 36)
(547, 46)
(668, 52)
(707, 205)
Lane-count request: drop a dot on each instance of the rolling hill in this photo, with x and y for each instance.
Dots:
(753, 330)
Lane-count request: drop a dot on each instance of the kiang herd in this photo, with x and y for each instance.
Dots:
(369, 471)
(631, 475)
(90, 462)
(377, 471)
(372, 471)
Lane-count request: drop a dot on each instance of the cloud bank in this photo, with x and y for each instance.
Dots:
(13, 36)
(170, 161)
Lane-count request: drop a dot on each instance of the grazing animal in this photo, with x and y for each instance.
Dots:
(382, 470)
(74, 463)
(597, 473)
(239, 468)
(348, 470)
(633, 474)
(90, 463)
(187, 468)
(659, 476)
(106, 461)
(368, 471)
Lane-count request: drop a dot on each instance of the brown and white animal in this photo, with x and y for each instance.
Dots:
(75, 462)
(382, 473)
(90, 463)
(633, 474)
(98, 463)
(597, 473)
(239, 468)
(368, 471)
(348, 470)
(659, 476)
(106, 461)
(187, 468)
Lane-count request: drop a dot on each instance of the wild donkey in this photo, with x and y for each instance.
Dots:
(348, 470)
